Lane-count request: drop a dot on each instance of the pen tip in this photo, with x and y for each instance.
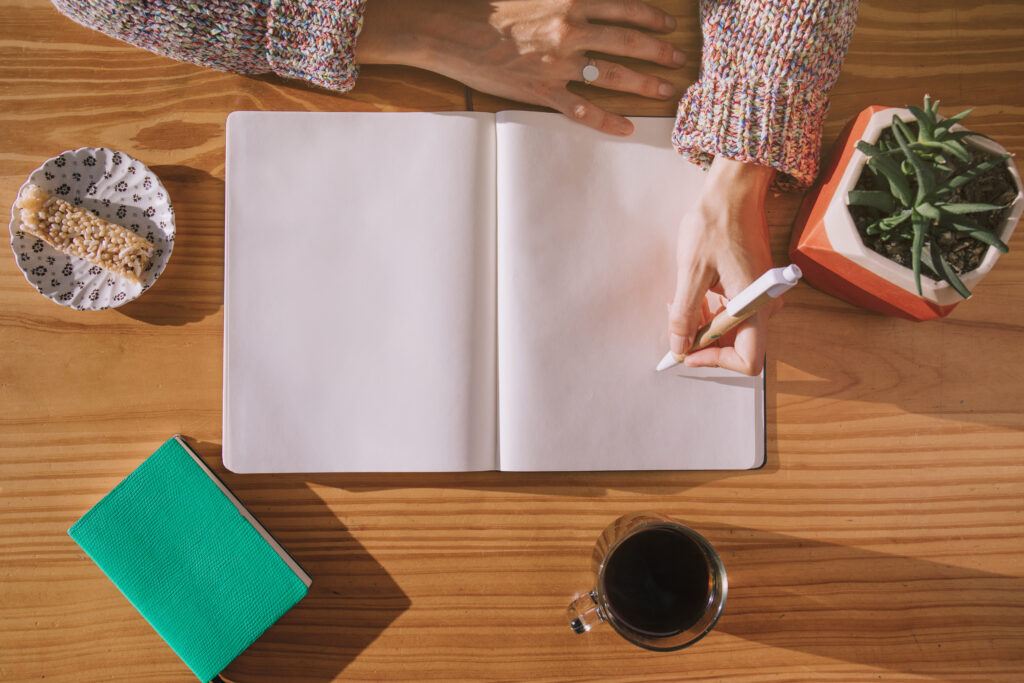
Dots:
(667, 362)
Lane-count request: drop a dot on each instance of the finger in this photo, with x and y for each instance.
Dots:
(715, 302)
(745, 356)
(628, 42)
(706, 313)
(632, 12)
(612, 76)
(723, 357)
(687, 310)
(589, 114)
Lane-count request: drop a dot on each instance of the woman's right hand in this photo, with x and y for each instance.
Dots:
(525, 50)
(723, 247)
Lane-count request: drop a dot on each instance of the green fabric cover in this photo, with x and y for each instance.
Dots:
(187, 559)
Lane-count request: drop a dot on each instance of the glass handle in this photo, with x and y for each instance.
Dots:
(584, 613)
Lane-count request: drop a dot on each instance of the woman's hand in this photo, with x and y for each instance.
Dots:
(525, 50)
(723, 247)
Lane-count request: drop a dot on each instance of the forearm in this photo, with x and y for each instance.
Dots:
(311, 40)
(412, 32)
(444, 36)
(731, 227)
(767, 68)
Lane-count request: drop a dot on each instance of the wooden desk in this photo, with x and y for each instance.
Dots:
(882, 541)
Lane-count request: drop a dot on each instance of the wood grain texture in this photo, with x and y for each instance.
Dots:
(882, 541)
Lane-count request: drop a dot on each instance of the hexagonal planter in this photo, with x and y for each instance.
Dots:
(828, 247)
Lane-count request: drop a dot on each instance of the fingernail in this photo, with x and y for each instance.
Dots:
(625, 127)
(679, 57)
(670, 22)
(678, 343)
(666, 90)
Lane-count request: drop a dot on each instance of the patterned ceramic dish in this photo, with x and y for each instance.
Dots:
(118, 189)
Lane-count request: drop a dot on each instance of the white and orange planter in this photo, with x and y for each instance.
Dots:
(828, 248)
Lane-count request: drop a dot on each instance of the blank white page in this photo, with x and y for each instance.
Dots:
(359, 292)
(586, 263)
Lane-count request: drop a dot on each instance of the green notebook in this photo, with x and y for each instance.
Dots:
(201, 570)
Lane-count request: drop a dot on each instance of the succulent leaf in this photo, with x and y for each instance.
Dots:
(971, 173)
(948, 274)
(897, 181)
(925, 123)
(969, 208)
(928, 211)
(953, 147)
(966, 225)
(893, 221)
(989, 239)
(882, 201)
(956, 149)
(962, 134)
(923, 172)
(868, 148)
(920, 225)
(946, 124)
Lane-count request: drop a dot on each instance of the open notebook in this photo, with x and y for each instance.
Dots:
(462, 291)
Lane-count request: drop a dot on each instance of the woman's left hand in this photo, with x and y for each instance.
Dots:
(526, 50)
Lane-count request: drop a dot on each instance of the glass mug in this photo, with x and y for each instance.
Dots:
(659, 584)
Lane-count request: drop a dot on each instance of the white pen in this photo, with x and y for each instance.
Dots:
(769, 286)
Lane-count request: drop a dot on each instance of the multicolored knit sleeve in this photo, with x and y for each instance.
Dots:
(766, 72)
(309, 39)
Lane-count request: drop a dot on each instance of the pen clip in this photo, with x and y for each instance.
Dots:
(774, 283)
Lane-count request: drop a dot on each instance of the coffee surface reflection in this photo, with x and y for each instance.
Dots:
(657, 582)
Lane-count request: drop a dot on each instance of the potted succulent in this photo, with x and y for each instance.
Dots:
(913, 212)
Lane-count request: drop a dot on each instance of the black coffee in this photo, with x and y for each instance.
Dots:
(657, 582)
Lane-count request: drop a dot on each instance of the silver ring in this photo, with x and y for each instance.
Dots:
(590, 72)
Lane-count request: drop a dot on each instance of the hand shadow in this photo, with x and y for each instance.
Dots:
(867, 607)
(351, 602)
(192, 285)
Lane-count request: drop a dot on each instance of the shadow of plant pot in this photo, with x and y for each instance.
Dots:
(828, 247)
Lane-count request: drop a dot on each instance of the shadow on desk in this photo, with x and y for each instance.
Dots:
(563, 484)
(352, 601)
(867, 607)
(191, 288)
(879, 368)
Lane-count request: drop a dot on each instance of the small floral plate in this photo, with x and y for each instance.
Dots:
(118, 189)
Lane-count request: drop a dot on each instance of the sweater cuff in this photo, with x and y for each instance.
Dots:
(315, 40)
(770, 124)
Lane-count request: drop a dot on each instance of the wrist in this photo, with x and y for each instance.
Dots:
(740, 176)
(732, 202)
(736, 187)
(393, 33)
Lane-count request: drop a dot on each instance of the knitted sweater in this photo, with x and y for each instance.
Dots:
(313, 40)
(762, 96)
(766, 71)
